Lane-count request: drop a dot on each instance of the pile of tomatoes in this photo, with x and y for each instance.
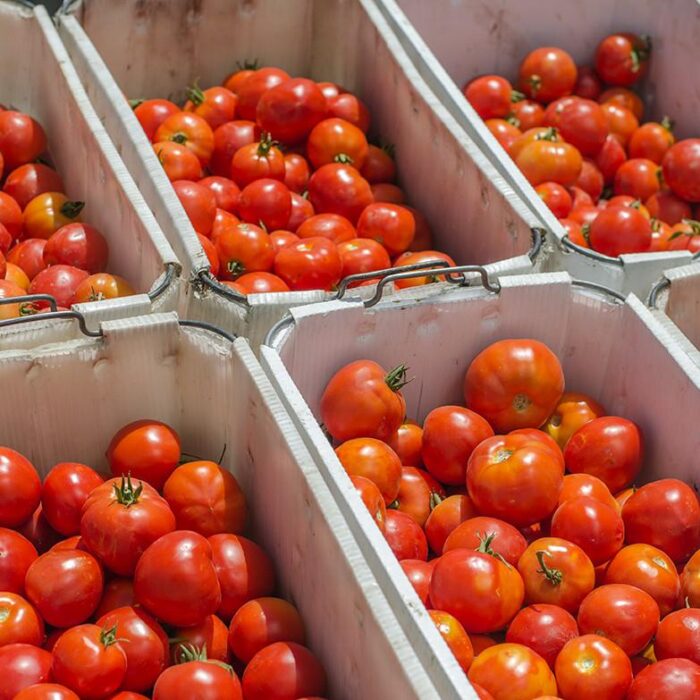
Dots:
(516, 520)
(281, 184)
(617, 184)
(45, 248)
(141, 584)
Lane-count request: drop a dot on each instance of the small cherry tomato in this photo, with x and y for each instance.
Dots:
(547, 73)
(216, 105)
(490, 95)
(152, 113)
(652, 141)
(191, 131)
(622, 59)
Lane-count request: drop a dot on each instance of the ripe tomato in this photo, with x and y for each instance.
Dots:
(679, 636)
(144, 642)
(118, 593)
(22, 139)
(638, 177)
(29, 181)
(28, 255)
(334, 227)
(310, 263)
(359, 255)
(17, 276)
(545, 161)
(199, 204)
(622, 59)
(65, 490)
(411, 258)
(418, 494)
(10, 289)
(178, 161)
(444, 519)
(79, 245)
(407, 442)
(583, 124)
(557, 572)
(490, 95)
(543, 628)
(206, 498)
(244, 571)
(176, 581)
(290, 110)
(234, 81)
(375, 461)
(652, 141)
(228, 138)
(529, 114)
(664, 514)
(379, 165)
(457, 639)
(512, 672)
(666, 206)
(20, 488)
(16, 555)
(340, 189)
(48, 691)
(337, 141)
(19, 622)
(610, 157)
(556, 198)
(680, 169)
(405, 536)
(514, 384)
(258, 283)
(199, 678)
(547, 73)
(588, 84)
(515, 478)
(490, 535)
(590, 181)
(190, 130)
(60, 281)
(621, 122)
(302, 210)
(210, 252)
(38, 531)
(280, 239)
(609, 448)
(592, 666)
(254, 86)
(506, 133)
(671, 678)
(147, 450)
(216, 105)
(244, 247)
(102, 286)
(650, 570)
(211, 633)
(690, 581)
(419, 573)
(573, 411)
(350, 108)
(624, 614)
(296, 172)
(266, 202)
(225, 192)
(624, 98)
(481, 591)
(585, 485)
(685, 235)
(388, 193)
(372, 498)
(152, 113)
(22, 665)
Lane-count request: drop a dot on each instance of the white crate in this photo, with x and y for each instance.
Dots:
(452, 41)
(613, 350)
(43, 83)
(157, 49)
(64, 402)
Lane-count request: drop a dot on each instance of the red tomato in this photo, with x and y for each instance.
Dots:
(388, 193)
(102, 286)
(592, 666)
(410, 258)
(6, 240)
(16, 555)
(544, 160)
(543, 628)
(7, 291)
(419, 573)
(529, 114)
(621, 122)
(418, 494)
(225, 192)
(234, 81)
(283, 671)
(290, 110)
(610, 157)
(679, 636)
(556, 572)
(360, 255)
(259, 283)
(650, 570)
(556, 198)
(228, 138)
(334, 227)
(457, 639)
(625, 98)
(178, 161)
(372, 498)
(254, 86)
(191, 131)
(407, 442)
(244, 571)
(664, 514)
(29, 181)
(379, 165)
(666, 206)
(118, 593)
(624, 614)
(65, 490)
(266, 202)
(514, 384)
(144, 642)
(481, 591)
(638, 177)
(622, 59)
(22, 139)
(258, 160)
(588, 84)
(302, 210)
(310, 263)
(176, 581)
(145, 449)
(489, 535)
(590, 180)
(375, 461)
(350, 108)
(205, 498)
(444, 519)
(205, 680)
(65, 586)
(22, 665)
(490, 95)
(405, 536)
(514, 478)
(652, 140)
(20, 488)
(296, 172)
(583, 124)
(547, 73)
(672, 678)
(38, 531)
(690, 581)
(681, 171)
(337, 141)
(685, 235)
(506, 133)
(79, 245)
(19, 622)
(152, 113)
(210, 252)
(216, 105)
(211, 633)
(609, 448)
(199, 204)
(244, 247)
(280, 239)
(585, 485)
(340, 189)
(49, 691)
(60, 281)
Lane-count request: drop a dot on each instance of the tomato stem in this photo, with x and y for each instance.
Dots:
(554, 576)
(108, 636)
(71, 210)
(343, 158)
(435, 500)
(550, 135)
(125, 493)
(194, 94)
(512, 119)
(396, 378)
(516, 96)
(189, 652)
(394, 505)
(136, 103)
(535, 82)
(179, 137)
(266, 143)
(389, 149)
(235, 267)
(668, 123)
(247, 64)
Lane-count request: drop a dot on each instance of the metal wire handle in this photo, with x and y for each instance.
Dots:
(26, 298)
(656, 290)
(171, 270)
(568, 243)
(538, 234)
(599, 288)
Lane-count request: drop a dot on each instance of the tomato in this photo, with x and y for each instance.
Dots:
(20, 488)
(543, 628)
(372, 498)
(541, 133)
(8, 290)
(144, 642)
(225, 192)
(529, 114)
(690, 581)
(512, 672)
(46, 691)
(481, 693)
(102, 286)
(340, 189)
(679, 636)
(16, 555)
(592, 666)
(228, 138)
(11, 216)
(375, 461)
(585, 485)
(481, 591)
(79, 245)
(329, 90)
(38, 531)
(639, 178)
(423, 239)
(405, 536)
(685, 235)
(671, 678)
(339, 141)
(547, 73)
(650, 570)
(17, 276)
(621, 122)
(350, 108)
(588, 84)
(46, 213)
(199, 678)
(22, 665)
(199, 204)
(506, 133)
(583, 124)
(234, 81)
(407, 442)
(178, 161)
(244, 571)
(444, 519)
(514, 384)
(6, 240)
(490, 95)
(610, 157)
(666, 206)
(254, 86)
(210, 252)
(211, 633)
(418, 494)
(259, 283)
(266, 202)
(152, 113)
(544, 160)
(302, 210)
(19, 622)
(590, 180)
(310, 263)
(453, 633)
(30, 180)
(624, 98)
(379, 165)
(664, 514)
(409, 258)
(118, 593)
(360, 255)
(281, 238)
(651, 141)
(28, 255)
(419, 573)
(191, 131)
(572, 411)
(22, 139)
(609, 448)
(622, 59)
(296, 172)
(681, 169)
(489, 535)
(290, 110)
(557, 199)
(216, 105)
(147, 450)
(59, 281)
(332, 226)
(244, 247)
(388, 193)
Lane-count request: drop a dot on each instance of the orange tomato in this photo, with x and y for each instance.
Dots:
(572, 411)
(47, 212)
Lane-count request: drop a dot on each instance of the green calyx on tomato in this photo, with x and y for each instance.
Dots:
(535, 82)
(694, 229)
(136, 103)
(235, 267)
(126, 494)
(186, 653)
(396, 378)
(484, 547)
(389, 149)
(554, 576)
(248, 65)
(72, 209)
(195, 95)
(668, 123)
(512, 119)
(266, 143)
(343, 158)
(641, 54)
(517, 96)
(109, 637)
(179, 137)
(550, 135)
